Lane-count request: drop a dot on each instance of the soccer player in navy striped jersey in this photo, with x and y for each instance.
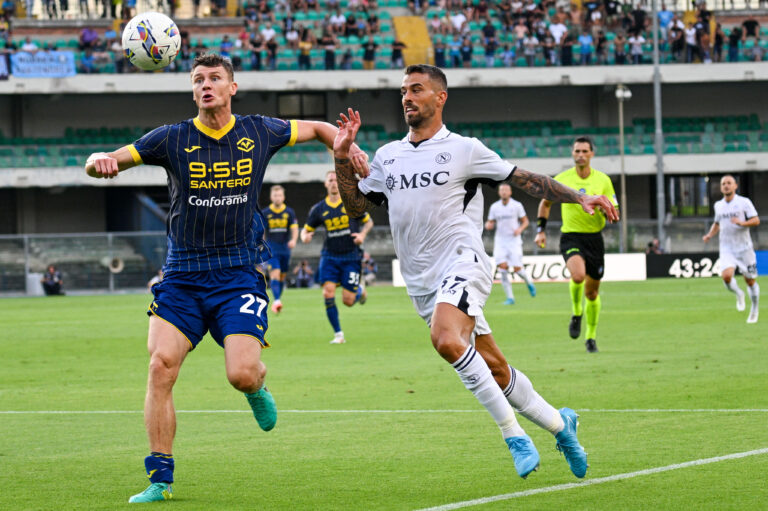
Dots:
(282, 233)
(215, 165)
(341, 258)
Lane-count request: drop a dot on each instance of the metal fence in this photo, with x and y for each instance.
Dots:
(125, 261)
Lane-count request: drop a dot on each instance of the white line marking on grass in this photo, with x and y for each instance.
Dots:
(590, 482)
(584, 410)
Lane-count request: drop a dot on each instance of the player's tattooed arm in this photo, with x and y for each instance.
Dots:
(544, 187)
(354, 201)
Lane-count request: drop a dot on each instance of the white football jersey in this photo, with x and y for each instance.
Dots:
(435, 201)
(734, 238)
(508, 218)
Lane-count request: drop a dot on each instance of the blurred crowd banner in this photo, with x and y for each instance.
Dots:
(3, 67)
(43, 64)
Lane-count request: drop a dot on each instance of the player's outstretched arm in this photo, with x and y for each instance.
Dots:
(544, 187)
(712, 231)
(107, 165)
(326, 133)
(354, 201)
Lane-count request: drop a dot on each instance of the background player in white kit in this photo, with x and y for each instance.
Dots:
(435, 215)
(734, 215)
(508, 217)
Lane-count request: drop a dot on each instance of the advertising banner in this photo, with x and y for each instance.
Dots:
(551, 268)
(43, 64)
(3, 67)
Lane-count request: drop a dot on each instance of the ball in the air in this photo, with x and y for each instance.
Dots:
(151, 41)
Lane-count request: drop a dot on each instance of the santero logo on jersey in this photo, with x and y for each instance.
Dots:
(227, 200)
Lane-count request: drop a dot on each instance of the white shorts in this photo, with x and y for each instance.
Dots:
(510, 253)
(745, 261)
(466, 285)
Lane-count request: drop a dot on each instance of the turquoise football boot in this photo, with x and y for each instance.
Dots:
(155, 492)
(264, 408)
(568, 444)
(524, 453)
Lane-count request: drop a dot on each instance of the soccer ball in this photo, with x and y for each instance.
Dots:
(151, 41)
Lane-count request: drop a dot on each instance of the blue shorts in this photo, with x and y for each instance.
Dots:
(227, 301)
(281, 259)
(344, 272)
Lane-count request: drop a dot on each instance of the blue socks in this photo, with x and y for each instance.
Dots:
(333, 314)
(159, 467)
(277, 288)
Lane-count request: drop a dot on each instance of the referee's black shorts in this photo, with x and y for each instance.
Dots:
(587, 245)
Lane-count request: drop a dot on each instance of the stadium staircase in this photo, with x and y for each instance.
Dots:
(412, 30)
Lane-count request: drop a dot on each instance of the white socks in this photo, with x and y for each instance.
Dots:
(530, 404)
(524, 275)
(734, 288)
(506, 284)
(754, 293)
(477, 378)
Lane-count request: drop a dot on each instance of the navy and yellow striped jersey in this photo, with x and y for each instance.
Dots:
(279, 223)
(214, 178)
(338, 226)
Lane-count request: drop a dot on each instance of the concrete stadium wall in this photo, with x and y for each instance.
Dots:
(49, 115)
(60, 210)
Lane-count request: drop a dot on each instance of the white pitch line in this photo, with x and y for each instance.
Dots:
(585, 410)
(590, 482)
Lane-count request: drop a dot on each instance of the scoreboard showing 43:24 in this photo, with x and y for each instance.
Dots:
(687, 267)
(683, 266)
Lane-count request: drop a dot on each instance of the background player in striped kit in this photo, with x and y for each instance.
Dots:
(734, 215)
(281, 234)
(507, 216)
(215, 165)
(341, 258)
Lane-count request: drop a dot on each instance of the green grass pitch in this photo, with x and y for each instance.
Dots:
(382, 422)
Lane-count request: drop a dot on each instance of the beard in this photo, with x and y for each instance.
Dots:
(417, 119)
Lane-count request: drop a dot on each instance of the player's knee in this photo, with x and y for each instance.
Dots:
(448, 345)
(578, 278)
(591, 294)
(349, 301)
(504, 266)
(246, 378)
(727, 279)
(162, 370)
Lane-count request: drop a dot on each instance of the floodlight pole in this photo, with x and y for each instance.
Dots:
(622, 94)
(659, 134)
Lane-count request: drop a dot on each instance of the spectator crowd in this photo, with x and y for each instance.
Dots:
(310, 34)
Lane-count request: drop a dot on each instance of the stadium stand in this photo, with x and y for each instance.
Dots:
(529, 139)
(265, 35)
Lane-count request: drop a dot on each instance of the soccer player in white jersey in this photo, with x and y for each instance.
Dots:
(430, 182)
(507, 216)
(734, 215)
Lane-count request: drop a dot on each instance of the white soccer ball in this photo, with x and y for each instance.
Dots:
(151, 41)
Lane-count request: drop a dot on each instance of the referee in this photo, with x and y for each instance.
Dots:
(581, 241)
